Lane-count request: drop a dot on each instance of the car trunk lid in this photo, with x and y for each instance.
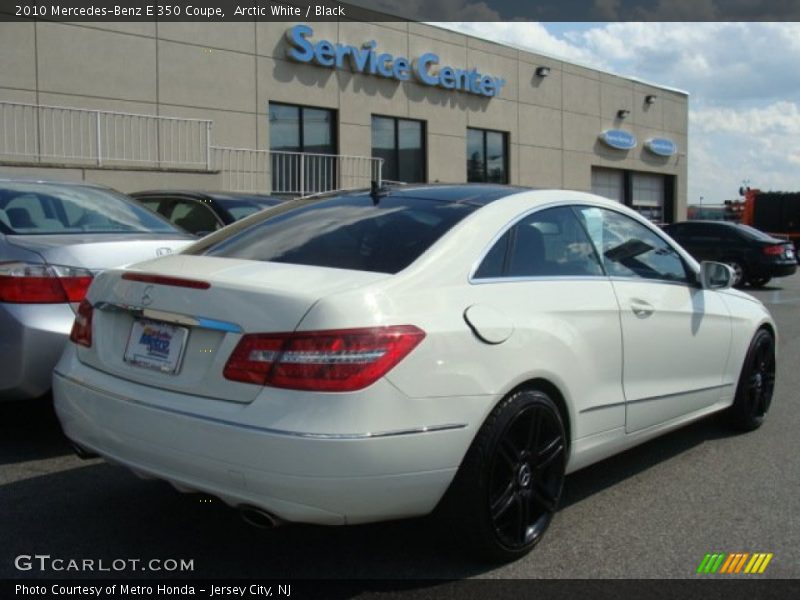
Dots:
(173, 322)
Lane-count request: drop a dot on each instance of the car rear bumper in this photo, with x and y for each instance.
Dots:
(773, 270)
(304, 477)
(33, 337)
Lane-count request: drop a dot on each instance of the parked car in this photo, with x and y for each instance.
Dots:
(755, 257)
(54, 238)
(364, 356)
(200, 213)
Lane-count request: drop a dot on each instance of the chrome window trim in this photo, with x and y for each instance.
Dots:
(663, 236)
(268, 430)
(476, 265)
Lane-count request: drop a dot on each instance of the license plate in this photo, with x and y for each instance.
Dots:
(789, 253)
(156, 345)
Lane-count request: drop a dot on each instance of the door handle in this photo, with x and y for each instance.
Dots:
(641, 308)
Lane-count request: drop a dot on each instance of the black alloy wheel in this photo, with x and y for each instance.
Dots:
(756, 383)
(739, 274)
(508, 487)
(526, 476)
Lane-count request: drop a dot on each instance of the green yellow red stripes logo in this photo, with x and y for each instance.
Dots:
(735, 563)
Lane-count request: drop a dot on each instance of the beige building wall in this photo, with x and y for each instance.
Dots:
(229, 72)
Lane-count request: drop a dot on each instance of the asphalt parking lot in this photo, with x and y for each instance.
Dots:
(652, 512)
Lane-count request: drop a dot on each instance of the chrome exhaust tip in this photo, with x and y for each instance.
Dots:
(258, 517)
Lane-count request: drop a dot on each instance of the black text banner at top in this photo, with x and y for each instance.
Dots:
(400, 10)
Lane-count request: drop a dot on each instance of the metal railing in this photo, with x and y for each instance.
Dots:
(292, 173)
(56, 134)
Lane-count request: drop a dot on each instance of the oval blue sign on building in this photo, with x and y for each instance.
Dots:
(619, 139)
(661, 146)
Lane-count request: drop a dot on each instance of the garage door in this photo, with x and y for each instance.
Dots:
(608, 183)
(647, 190)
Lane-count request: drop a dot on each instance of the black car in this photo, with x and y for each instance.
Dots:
(201, 213)
(755, 256)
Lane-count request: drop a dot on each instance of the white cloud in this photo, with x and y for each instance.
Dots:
(723, 63)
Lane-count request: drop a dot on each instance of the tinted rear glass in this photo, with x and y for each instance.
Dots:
(239, 209)
(756, 234)
(345, 232)
(43, 208)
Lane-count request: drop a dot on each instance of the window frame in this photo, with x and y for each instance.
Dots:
(396, 149)
(692, 277)
(693, 280)
(300, 123)
(506, 162)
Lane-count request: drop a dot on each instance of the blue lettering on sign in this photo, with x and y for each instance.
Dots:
(619, 139)
(661, 146)
(367, 60)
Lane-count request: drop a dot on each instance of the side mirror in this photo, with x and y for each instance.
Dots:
(716, 276)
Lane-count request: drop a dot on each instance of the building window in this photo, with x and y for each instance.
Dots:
(293, 132)
(401, 145)
(487, 156)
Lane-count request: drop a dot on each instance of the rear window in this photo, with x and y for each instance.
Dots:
(756, 234)
(48, 209)
(239, 209)
(343, 232)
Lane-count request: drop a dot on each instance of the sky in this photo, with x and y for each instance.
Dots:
(743, 81)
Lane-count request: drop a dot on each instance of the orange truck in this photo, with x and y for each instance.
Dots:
(776, 213)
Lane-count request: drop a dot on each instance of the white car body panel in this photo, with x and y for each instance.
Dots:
(391, 449)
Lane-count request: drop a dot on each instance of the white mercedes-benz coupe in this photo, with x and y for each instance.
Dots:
(373, 355)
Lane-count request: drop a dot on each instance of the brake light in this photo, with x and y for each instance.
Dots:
(773, 250)
(331, 361)
(81, 333)
(30, 283)
(162, 280)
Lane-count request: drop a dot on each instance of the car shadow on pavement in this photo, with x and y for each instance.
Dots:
(607, 473)
(29, 431)
(96, 510)
(104, 511)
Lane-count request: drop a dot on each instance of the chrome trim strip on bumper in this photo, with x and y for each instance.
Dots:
(283, 432)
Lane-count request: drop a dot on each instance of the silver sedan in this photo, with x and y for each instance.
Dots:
(54, 237)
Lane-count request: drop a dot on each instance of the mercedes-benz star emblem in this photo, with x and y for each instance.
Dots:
(147, 299)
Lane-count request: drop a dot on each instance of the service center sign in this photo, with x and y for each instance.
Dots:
(367, 60)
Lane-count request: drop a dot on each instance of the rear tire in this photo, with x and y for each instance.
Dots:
(756, 384)
(507, 489)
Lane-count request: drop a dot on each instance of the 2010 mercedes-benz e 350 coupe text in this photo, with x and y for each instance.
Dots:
(365, 356)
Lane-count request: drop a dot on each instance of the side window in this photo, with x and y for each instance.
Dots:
(194, 217)
(549, 242)
(155, 204)
(629, 249)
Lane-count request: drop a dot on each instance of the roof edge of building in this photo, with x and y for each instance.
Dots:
(561, 59)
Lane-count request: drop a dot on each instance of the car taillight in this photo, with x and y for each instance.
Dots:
(29, 283)
(773, 250)
(82, 327)
(329, 361)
